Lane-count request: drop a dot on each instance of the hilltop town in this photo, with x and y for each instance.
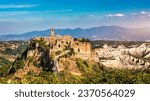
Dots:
(70, 59)
(44, 52)
(81, 46)
(121, 57)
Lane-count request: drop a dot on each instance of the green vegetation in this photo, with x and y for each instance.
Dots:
(83, 65)
(117, 76)
(18, 51)
(37, 44)
(58, 53)
(65, 77)
(41, 42)
(4, 66)
(19, 63)
(96, 76)
(82, 39)
(92, 72)
(71, 52)
(42, 78)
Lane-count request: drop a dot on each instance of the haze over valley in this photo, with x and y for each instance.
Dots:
(95, 33)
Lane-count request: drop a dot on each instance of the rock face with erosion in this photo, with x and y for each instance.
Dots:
(35, 58)
(122, 57)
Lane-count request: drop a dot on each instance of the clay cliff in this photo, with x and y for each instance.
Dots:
(122, 57)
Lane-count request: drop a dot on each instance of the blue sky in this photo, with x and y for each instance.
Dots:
(19, 16)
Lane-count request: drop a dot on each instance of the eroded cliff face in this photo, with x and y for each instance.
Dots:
(35, 58)
(122, 57)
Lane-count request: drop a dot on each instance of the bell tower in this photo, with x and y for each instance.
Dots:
(52, 32)
(52, 37)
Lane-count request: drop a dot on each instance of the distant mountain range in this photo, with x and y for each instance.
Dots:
(95, 33)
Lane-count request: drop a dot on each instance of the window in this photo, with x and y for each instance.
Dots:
(78, 50)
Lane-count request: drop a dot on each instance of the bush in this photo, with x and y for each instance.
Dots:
(117, 76)
(66, 77)
(19, 63)
(58, 52)
(83, 65)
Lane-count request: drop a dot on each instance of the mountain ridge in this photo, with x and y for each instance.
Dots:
(94, 33)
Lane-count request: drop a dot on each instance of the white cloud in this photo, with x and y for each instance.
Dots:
(115, 15)
(63, 10)
(94, 36)
(119, 15)
(109, 15)
(17, 6)
(143, 12)
(91, 15)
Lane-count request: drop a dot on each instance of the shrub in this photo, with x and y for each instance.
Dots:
(83, 65)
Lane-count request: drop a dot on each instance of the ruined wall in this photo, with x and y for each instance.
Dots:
(82, 47)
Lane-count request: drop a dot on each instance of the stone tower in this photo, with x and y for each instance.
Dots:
(52, 32)
(52, 37)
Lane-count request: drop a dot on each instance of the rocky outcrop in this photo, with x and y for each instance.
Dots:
(70, 65)
(121, 47)
(36, 57)
(123, 57)
(26, 69)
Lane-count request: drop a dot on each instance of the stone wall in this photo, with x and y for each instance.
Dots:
(82, 47)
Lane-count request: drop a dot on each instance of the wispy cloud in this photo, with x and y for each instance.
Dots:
(141, 14)
(8, 20)
(36, 19)
(18, 6)
(91, 15)
(61, 10)
(144, 12)
(11, 13)
(115, 15)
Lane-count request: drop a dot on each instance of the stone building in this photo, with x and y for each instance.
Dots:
(66, 42)
(81, 47)
(58, 42)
